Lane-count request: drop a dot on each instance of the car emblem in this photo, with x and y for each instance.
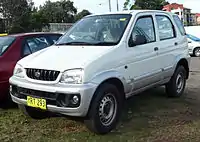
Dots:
(37, 74)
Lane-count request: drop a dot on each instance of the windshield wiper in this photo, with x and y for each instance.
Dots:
(105, 43)
(75, 43)
(88, 43)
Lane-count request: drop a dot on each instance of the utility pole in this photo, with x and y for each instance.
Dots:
(109, 5)
(117, 5)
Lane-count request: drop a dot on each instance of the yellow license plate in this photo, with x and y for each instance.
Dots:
(37, 103)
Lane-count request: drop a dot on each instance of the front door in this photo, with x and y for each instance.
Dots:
(143, 63)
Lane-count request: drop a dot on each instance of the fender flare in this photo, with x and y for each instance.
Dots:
(106, 75)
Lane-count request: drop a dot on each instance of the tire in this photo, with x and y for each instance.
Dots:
(197, 52)
(176, 86)
(33, 112)
(107, 104)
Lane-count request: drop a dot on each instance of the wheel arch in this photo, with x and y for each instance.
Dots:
(195, 49)
(184, 62)
(114, 81)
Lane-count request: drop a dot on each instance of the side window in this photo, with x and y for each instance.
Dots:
(165, 27)
(34, 44)
(145, 27)
(179, 25)
(42, 39)
(26, 50)
(54, 38)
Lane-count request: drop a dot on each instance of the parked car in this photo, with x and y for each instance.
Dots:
(194, 45)
(101, 61)
(14, 48)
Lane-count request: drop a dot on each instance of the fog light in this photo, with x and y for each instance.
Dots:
(75, 100)
(68, 100)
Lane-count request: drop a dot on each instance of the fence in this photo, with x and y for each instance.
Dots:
(58, 27)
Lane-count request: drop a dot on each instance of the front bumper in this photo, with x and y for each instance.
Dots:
(85, 91)
(190, 51)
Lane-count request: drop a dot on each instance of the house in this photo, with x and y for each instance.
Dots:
(198, 18)
(193, 19)
(184, 14)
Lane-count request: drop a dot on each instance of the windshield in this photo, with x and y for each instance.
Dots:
(97, 30)
(194, 38)
(5, 43)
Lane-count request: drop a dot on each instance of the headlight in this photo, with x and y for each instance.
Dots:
(73, 76)
(19, 71)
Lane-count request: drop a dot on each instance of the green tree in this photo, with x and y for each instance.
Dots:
(17, 14)
(38, 20)
(22, 16)
(59, 12)
(82, 14)
(126, 4)
(2, 26)
(147, 4)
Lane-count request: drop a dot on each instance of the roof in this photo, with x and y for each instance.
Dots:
(187, 8)
(129, 12)
(33, 33)
(172, 6)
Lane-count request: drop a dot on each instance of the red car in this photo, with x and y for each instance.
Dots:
(15, 47)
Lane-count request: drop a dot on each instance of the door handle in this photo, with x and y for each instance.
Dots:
(176, 43)
(156, 49)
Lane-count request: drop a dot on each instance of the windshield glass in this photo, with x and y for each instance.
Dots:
(194, 38)
(97, 30)
(5, 43)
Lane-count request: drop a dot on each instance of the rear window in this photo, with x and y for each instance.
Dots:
(5, 43)
(165, 27)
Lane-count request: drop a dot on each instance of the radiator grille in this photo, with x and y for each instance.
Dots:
(40, 74)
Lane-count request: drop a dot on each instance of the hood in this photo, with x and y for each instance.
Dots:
(194, 44)
(61, 58)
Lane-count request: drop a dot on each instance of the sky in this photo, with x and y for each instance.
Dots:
(99, 6)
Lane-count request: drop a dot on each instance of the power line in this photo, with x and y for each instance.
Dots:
(109, 5)
(117, 5)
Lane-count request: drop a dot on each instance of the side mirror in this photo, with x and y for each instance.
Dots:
(137, 40)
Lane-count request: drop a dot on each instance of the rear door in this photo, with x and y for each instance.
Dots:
(9, 55)
(169, 43)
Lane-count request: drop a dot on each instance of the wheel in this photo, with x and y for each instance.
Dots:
(197, 52)
(176, 86)
(33, 112)
(105, 109)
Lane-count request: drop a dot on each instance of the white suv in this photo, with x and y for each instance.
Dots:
(101, 61)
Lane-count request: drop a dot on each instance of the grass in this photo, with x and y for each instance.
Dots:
(150, 116)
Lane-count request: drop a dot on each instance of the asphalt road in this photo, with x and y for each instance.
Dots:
(193, 84)
(195, 64)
